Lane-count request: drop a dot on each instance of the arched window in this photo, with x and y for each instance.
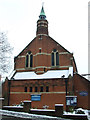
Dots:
(55, 58)
(29, 60)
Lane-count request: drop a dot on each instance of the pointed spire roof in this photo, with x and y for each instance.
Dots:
(42, 14)
(42, 11)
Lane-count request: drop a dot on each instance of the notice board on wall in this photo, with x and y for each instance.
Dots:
(71, 100)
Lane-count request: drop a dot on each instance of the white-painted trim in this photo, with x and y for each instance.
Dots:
(58, 104)
(42, 53)
(42, 25)
(40, 72)
(42, 22)
(40, 67)
(37, 92)
(33, 68)
(42, 34)
(22, 56)
(21, 69)
(62, 53)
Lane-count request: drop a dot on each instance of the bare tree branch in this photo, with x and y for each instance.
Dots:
(5, 53)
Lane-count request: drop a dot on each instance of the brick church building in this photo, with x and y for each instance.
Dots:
(46, 73)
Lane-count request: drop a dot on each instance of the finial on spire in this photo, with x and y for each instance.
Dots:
(42, 13)
(42, 3)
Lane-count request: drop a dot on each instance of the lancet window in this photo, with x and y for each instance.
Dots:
(29, 60)
(55, 58)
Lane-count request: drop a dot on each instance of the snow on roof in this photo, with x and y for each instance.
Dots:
(58, 104)
(1, 98)
(27, 101)
(48, 75)
(11, 74)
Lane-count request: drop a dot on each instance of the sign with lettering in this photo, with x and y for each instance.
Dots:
(35, 97)
(71, 100)
(83, 93)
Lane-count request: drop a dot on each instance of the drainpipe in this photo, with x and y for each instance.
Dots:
(9, 84)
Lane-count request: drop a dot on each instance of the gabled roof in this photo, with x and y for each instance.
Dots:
(59, 44)
(25, 48)
(50, 38)
(82, 77)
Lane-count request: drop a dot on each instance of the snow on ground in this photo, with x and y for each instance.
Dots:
(41, 117)
(27, 115)
(87, 113)
(42, 110)
(13, 106)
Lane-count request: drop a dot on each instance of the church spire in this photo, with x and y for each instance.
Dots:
(42, 24)
(42, 14)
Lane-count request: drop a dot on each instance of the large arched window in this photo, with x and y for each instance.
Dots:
(29, 60)
(55, 58)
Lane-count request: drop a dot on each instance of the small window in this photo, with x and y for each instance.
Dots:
(41, 89)
(39, 50)
(29, 52)
(25, 89)
(47, 89)
(54, 50)
(40, 38)
(55, 58)
(36, 89)
(52, 59)
(29, 60)
(30, 89)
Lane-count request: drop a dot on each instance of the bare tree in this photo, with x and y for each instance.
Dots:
(5, 54)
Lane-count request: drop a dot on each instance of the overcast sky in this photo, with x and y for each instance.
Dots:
(68, 25)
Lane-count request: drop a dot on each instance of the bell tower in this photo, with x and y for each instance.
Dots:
(42, 24)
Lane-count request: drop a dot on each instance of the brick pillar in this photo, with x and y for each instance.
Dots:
(26, 106)
(59, 110)
(1, 102)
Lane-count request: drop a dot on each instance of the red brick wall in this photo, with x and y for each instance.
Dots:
(82, 84)
(47, 44)
(56, 94)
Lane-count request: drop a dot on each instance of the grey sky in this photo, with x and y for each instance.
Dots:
(67, 25)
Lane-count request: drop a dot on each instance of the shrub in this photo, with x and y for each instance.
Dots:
(79, 111)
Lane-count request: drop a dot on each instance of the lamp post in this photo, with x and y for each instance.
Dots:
(66, 86)
(66, 83)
